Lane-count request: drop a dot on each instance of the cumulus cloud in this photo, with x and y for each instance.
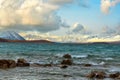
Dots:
(107, 4)
(31, 14)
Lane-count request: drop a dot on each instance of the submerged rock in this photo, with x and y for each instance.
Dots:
(41, 65)
(67, 56)
(22, 63)
(96, 74)
(4, 64)
(87, 65)
(67, 62)
(65, 75)
(63, 66)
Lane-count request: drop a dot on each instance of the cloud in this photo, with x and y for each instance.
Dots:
(31, 14)
(107, 4)
(60, 2)
(77, 28)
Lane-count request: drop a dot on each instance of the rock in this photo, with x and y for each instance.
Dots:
(63, 66)
(12, 63)
(4, 64)
(21, 60)
(87, 65)
(118, 77)
(115, 75)
(65, 75)
(91, 75)
(22, 63)
(100, 75)
(67, 62)
(68, 56)
(96, 74)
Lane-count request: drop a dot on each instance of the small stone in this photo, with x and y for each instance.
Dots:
(68, 56)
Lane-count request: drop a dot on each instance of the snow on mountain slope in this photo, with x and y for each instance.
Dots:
(11, 35)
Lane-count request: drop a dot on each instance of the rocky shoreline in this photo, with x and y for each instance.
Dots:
(65, 63)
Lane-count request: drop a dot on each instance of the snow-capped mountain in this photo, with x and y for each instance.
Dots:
(11, 35)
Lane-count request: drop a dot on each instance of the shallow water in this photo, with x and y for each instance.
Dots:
(104, 57)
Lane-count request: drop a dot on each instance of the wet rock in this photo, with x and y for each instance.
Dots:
(4, 64)
(12, 63)
(115, 75)
(22, 63)
(21, 60)
(91, 75)
(67, 62)
(96, 74)
(63, 66)
(68, 56)
(118, 77)
(65, 75)
(87, 65)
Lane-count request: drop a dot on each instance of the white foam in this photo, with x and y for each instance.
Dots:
(108, 58)
(79, 56)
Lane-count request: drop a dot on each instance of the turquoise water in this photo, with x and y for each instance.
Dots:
(105, 57)
(46, 52)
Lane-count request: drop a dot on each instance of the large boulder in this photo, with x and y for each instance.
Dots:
(22, 63)
(4, 64)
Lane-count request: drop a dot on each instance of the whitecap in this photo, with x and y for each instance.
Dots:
(108, 59)
(102, 63)
(79, 56)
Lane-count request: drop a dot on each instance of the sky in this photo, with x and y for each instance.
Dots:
(62, 20)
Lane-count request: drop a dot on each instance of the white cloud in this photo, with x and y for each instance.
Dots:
(107, 4)
(30, 14)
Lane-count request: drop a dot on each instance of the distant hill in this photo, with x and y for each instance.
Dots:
(25, 41)
(3, 40)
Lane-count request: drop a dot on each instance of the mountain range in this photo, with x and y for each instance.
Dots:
(11, 36)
